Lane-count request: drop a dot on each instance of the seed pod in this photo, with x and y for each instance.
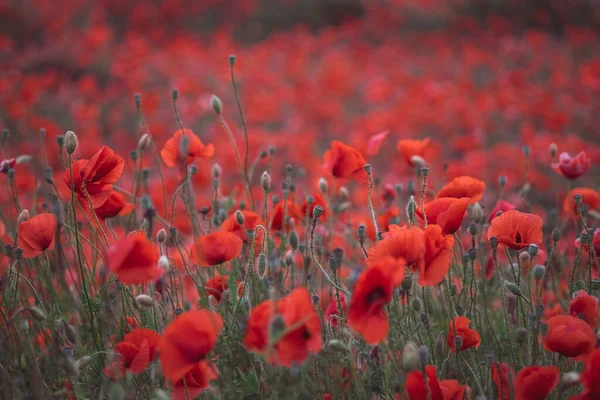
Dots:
(362, 233)
(71, 142)
(555, 235)
(317, 211)
(23, 216)
(538, 272)
(407, 282)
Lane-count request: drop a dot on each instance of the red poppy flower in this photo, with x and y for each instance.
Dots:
(571, 167)
(591, 378)
(585, 307)
(319, 200)
(516, 230)
(135, 353)
(171, 152)
(588, 196)
(194, 381)
(412, 147)
(114, 205)
(344, 162)
(447, 212)
(463, 186)
(375, 142)
(187, 341)
(453, 390)
(97, 176)
(569, 336)
(403, 244)
(218, 285)
(415, 385)
(536, 383)
(299, 335)
(438, 254)
(500, 376)
(372, 291)
(292, 210)
(134, 260)
(37, 234)
(501, 205)
(470, 337)
(251, 221)
(216, 248)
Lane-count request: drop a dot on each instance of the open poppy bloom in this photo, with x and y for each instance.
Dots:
(37, 234)
(463, 186)
(501, 205)
(187, 341)
(415, 385)
(453, 390)
(345, 162)
(447, 212)
(470, 337)
(438, 253)
(516, 230)
(172, 155)
(585, 307)
(403, 244)
(95, 176)
(410, 148)
(135, 352)
(251, 221)
(571, 167)
(216, 248)
(590, 378)
(570, 336)
(289, 336)
(373, 290)
(114, 205)
(134, 260)
(536, 383)
(589, 198)
(194, 381)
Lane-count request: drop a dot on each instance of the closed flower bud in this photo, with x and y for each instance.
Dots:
(23, 325)
(216, 104)
(344, 193)
(289, 258)
(71, 142)
(338, 345)
(570, 379)
(323, 186)
(398, 187)
(416, 304)
(494, 242)
(83, 362)
(161, 236)
(520, 335)
(411, 358)
(417, 161)
(293, 240)
(232, 59)
(23, 216)
(580, 285)
(70, 333)
(262, 264)
(555, 235)
(538, 272)
(477, 213)
(578, 199)
(144, 141)
(143, 300)
(407, 282)
(163, 263)
(265, 181)
(37, 314)
(239, 217)
(513, 288)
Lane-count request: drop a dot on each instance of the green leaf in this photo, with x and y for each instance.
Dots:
(248, 384)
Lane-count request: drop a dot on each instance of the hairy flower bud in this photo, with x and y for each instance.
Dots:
(23, 216)
(144, 141)
(239, 217)
(323, 185)
(143, 300)
(513, 288)
(71, 142)
(538, 272)
(416, 304)
(37, 314)
(520, 335)
(161, 236)
(216, 104)
(556, 235)
(265, 181)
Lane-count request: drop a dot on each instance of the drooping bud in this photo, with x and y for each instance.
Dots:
(513, 288)
(143, 300)
(37, 314)
(265, 181)
(216, 104)
(71, 142)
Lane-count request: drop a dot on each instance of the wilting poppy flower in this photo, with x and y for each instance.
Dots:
(194, 381)
(463, 186)
(410, 148)
(134, 260)
(187, 341)
(292, 210)
(172, 155)
(415, 385)
(403, 244)
(453, 390)
(372, 291)
(516, 230)
(500, 376)
(591, 378)
(114, 205)
(37, 234)
(569, 336)
(585, 307)
(536, 383)
(589, 197)
(470, 337)
(501, 205)
(572, 167)
(296, 325)
(375, 142)
(318, 200)
(438, 253)
(135, 352)
(447, 212)
(216, 248)
(251, 221)
(95, 176)
(344, 161)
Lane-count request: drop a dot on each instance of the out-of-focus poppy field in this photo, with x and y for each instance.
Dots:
(300, 199)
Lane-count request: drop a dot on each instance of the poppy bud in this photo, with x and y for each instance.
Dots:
(570, 379)
(262, 154)
(216, 104)
(317, 211)
(523, 256)
(411, 358)
(144, 141)
(293, 240)
(262, 264)
(533, 250)
(407, 282)
(578, 199)
(289, 258)
(472, 229)
(494, 242)
(472, 254)
(398, 188)
(143, 300)
(37, 314)
(477, 213)
(553, 149)
(362, 233)
(526, 151)
(17, 253)
(502, 180)
(555, 235)
(417, 161)
(520, 335)
(239, 217)
(232, 59)
(71, 142)
(411, 208)
(137, 100)
(23, 216)
(416, 304)
(458, 342)
(163, 263)
(323, 185)
(265, 181)
(513, 288)
(338, 345)
(538, 272)
(146, 202)
(216, 171)
(161, 236)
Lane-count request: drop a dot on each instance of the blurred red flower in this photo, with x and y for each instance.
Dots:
(463, 186)
(536, 383)
(572, 167)
(590, 199)
(172, 155)
(343, 161)
(470, 337)
(404, 245)
(410, 148)
(135, 353)
(585, 307)
(415, 385)
(569, 336)
(438, 254)
(216, 248)
(194, 381)
(37, 234)
(134, 259)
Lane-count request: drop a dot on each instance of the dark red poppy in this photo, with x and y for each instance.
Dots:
(463, 186)
(216, 248)
(453, 390)
(501, 205)
(372, 291)
(171, 152)
(589, 197)
(438, 254)
(298, 335)
(404, 245)
(536, 383)
(410, 148)
(571, 167)
(569, 336)
(516, 230)
(447, 212)
(345, 162)
(37, 234)
(585, 307)
(187, 341)
(135, 353)
(194, 381)
(134, 260)
(470, 337)
(415, 385)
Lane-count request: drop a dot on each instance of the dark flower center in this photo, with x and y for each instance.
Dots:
(375, 295)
